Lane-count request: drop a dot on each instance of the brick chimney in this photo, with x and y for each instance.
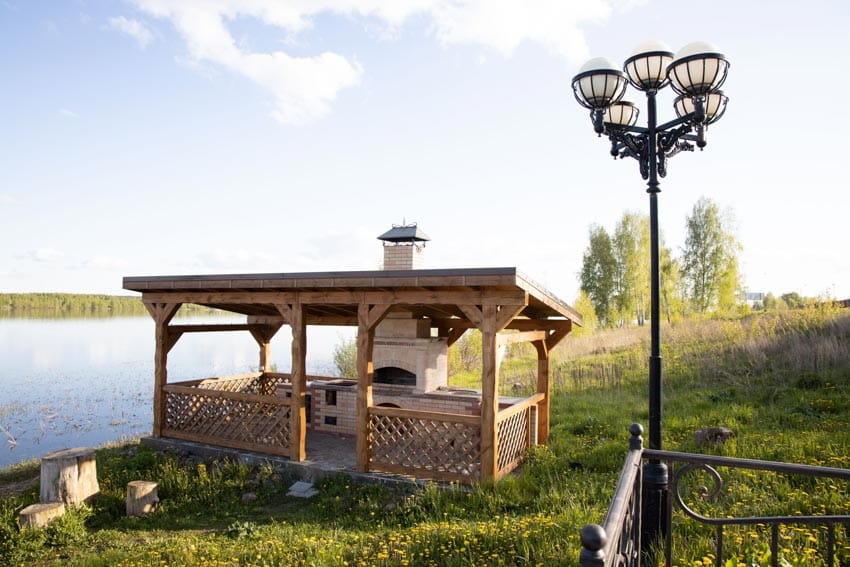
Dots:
(404, 247)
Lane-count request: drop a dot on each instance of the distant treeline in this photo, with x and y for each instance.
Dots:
(77, 305)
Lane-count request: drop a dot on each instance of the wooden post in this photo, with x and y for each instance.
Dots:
(489, 395)
(367, 319)
(162, 314)
(490, 319)
(298, 416)
(265, 355)
(69, 476)
(141, 497)
(544, 348)
(365, 372)
(263, 334)
(542, 388)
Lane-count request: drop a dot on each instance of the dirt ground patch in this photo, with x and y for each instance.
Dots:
(9, 489)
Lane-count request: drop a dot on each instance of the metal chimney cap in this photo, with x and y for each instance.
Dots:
(404, 233)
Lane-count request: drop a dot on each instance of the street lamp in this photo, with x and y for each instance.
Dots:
(696, 74)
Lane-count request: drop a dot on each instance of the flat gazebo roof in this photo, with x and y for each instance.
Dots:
(452, 301)
(332, 298)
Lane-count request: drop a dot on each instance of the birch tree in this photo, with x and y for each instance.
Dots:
(598, 267)
(710, 257)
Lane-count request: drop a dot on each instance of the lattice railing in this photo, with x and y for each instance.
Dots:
(254, 383)
(513, 426)
(205, 413)
(440, 446)
(513, 439)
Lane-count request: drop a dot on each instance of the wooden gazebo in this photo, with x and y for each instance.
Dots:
(246, 411)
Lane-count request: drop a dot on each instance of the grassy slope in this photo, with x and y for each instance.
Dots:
(781, 381)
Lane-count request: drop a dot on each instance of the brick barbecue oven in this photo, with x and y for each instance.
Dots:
(411, 365)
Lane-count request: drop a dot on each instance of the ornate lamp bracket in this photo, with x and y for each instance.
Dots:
(670, 143)
(636, 145)
(626, 144)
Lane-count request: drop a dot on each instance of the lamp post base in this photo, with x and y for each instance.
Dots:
(654, 519)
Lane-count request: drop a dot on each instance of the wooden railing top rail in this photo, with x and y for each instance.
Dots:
(287, 375)
(419, 414)
(520, 406)
(240, 396)
(222, 379)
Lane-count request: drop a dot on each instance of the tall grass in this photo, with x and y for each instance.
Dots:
(781, 381)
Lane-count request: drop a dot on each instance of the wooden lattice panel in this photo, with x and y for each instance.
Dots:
(513, 439)
(228, 419)
(425, 447)
(255, 383)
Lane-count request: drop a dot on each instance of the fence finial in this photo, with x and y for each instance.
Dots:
(636, 441)
(593, 540)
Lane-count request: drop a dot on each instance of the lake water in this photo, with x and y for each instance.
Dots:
(85, 382)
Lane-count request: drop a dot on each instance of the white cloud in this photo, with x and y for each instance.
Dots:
(134, 28)
(304, 87)
(505, 24)
(43, 255)
(70, 114)
(6, 199)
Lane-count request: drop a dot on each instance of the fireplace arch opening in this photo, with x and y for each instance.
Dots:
(395, 376)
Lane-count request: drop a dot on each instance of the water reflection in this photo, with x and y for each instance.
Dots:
(85, 382)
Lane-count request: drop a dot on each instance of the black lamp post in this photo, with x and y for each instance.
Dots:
(696, 73)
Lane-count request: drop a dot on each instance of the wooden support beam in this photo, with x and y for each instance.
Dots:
(172, 336)
(333, 320)
(263, 335)
(452, 323)
(507, 313)
(543, 387)
(162, 314)
(454, 335)
(516, 324)
(376, 315)
(371, 297)
(558, 335)
(474, 314)
(298, 415)
(208, 328)
(521, 337)
(365, 371)
(285, 311)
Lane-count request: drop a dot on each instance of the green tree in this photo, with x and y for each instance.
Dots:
(673, 292)
(631, 277)
(465, 353)
(345, 357)
(584, 305)
(728, 290)
(710, 257)
(598, 267)
(793, 300)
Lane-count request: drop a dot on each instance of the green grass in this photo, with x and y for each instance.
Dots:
(781, 381)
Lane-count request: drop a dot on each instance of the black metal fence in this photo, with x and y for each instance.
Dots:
(695, 492)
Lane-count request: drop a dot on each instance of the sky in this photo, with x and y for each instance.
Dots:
(168, 137)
